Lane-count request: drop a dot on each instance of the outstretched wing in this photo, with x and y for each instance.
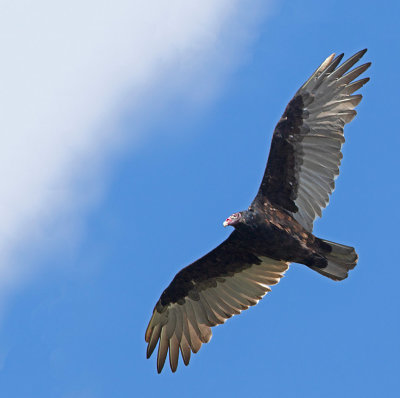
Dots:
(306, 146)
(223, 283)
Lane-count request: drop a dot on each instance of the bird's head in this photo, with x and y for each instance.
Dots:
(233, 220)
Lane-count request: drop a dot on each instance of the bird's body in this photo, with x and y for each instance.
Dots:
(275, 234)
(276, 229)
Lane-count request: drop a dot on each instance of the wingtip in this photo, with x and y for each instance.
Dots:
(328, 61)
(147, 334)
(358, 55)
(150, 350)
(160, 364)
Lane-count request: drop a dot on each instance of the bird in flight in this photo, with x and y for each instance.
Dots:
(276, 229)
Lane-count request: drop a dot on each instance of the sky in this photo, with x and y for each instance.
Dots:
(129, 132)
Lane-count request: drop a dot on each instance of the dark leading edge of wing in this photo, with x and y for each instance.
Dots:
(303, 163)
(306, 146)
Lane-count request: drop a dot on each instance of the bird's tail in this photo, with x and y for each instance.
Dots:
(341, 259)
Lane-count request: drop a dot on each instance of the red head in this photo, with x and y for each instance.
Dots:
(233, 219)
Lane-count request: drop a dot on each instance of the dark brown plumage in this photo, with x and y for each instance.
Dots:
(277, 227)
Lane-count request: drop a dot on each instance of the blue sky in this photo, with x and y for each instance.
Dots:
(189, 147)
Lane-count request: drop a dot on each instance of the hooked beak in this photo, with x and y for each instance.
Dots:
(225, 224)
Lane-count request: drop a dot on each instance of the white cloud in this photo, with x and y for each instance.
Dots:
(66, 68)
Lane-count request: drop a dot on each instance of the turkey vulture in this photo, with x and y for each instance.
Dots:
(276, 229)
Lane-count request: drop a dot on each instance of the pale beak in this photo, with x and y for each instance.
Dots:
(225, 224)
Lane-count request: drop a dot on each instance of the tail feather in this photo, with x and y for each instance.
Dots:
(341, 259)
